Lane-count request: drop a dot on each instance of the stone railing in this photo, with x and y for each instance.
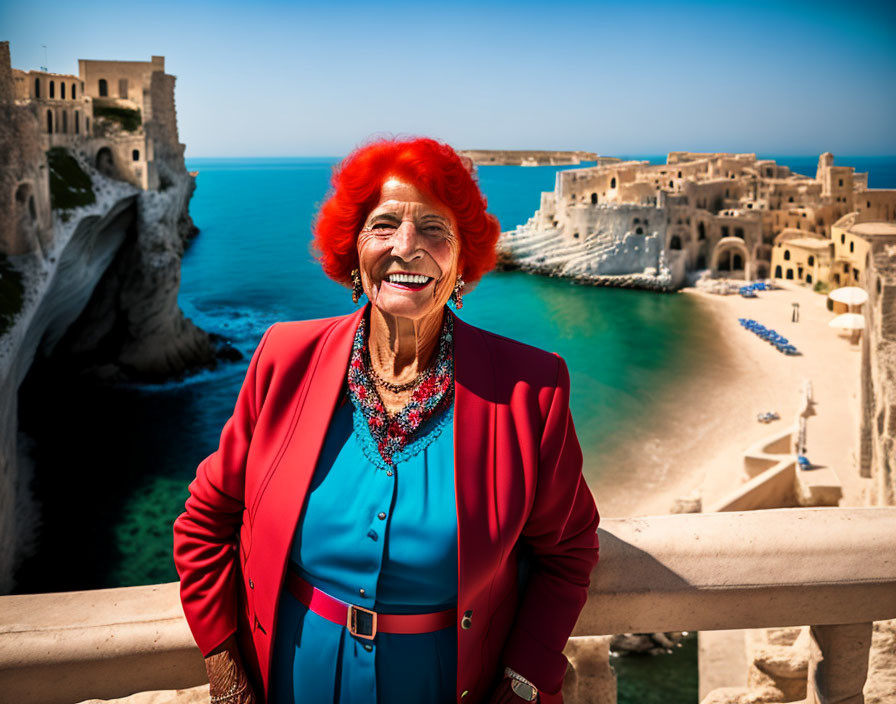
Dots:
(831, 568)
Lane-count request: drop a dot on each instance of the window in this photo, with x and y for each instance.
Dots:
(841, 183)
(74, 90)
(808, 278)
(135, 155)
(62, 90)
(594, 199)
(868, 204)
(842, 238)
(104, 88)
(86, 125)
(739, 232)
(778, 273)
(790, 274)
(679, 174)
(64, 122)
(575, 235)
(811, 260)
(852, 247)
(639, 230)
(613, 182)
(701, 231)
(122, 87)
(786, 255)
(675, 242)
(77, 123)
(724, 230)
(855, 272)
(49, 122)
(52, 89)
(799, 272)
(36, 87)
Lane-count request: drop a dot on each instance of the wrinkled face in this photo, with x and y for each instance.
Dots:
(408, 251)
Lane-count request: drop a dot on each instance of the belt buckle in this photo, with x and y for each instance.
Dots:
(365, 618)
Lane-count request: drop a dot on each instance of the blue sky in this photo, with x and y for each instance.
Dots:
(296, 79)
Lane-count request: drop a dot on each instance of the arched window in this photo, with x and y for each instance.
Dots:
(786, 255)
(52, 89)
(49, 122)
(87, 126)
(842, 238)
(104, 88)
(701, 231)
(679, 174)
(74, 90)
(135, 155)
(64, 122)
(790, 274)
(808, 278)
(852, 246)
(639, 230)
(811, 260)
(62, 90)
(675, 242)
(77, 122)
(613, 182)
(778, 273)
(594, 199)
(36, 87)
(670, 184)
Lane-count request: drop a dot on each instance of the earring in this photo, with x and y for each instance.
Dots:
(357, 289)
(457, 293)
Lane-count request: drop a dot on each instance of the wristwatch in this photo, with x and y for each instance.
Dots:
(521, 687)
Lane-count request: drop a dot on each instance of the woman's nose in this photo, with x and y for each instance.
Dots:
(406, 240)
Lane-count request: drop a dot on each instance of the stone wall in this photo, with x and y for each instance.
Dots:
(877, 435)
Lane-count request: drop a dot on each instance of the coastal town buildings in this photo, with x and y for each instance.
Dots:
(634, 223)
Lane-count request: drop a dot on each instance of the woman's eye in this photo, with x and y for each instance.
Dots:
(435, 231)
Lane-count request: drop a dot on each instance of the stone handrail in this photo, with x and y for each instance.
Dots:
(831, 568)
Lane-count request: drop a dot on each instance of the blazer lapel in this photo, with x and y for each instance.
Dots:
(284, 497)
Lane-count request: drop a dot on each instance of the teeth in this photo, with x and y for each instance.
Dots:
(408, 279)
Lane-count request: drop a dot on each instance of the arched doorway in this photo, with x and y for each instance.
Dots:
(105, 162)
(675, 242)
(594, 199)
(730, 258)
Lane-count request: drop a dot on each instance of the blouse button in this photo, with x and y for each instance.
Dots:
(361, 591)
(381, 515)
(368, 647)
(464, 693)
(467, 621)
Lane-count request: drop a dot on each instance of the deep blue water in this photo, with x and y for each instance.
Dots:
(251, 266)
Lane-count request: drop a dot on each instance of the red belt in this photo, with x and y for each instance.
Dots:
(362, 622)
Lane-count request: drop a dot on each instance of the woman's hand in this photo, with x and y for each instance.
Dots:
(227, 680)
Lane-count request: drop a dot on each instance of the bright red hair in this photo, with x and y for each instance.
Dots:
(431, 166)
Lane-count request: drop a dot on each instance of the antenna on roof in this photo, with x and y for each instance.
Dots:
(44, 67)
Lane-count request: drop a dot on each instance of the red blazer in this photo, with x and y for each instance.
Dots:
(518, 482)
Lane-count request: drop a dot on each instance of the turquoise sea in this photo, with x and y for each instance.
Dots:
(112, 465)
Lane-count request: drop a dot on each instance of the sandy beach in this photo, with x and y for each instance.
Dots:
(696, 444)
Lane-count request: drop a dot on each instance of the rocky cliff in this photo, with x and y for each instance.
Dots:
(89, 271)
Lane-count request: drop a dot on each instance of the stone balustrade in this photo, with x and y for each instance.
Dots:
(831, 568)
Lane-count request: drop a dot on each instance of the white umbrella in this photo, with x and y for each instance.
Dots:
(848, 321)
(850, 295)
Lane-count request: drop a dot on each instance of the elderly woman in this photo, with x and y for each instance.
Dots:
(396, 511)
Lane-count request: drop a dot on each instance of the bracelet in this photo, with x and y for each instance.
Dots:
(513, 674)
(230, 694)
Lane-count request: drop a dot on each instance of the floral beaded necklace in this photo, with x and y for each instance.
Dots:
(433, 391)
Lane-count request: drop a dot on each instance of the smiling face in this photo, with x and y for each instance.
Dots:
(408, 252)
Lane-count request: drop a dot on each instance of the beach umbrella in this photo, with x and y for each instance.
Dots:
(850, 295)
(848, 321)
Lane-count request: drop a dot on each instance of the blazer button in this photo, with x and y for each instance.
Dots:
(467, 620)
(251, 584)
(464, 693)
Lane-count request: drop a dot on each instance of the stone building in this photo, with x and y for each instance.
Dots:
(718, 211)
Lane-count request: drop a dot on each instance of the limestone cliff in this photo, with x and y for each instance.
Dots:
(91, 240)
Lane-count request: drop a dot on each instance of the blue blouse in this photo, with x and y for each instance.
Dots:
(380, 537)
